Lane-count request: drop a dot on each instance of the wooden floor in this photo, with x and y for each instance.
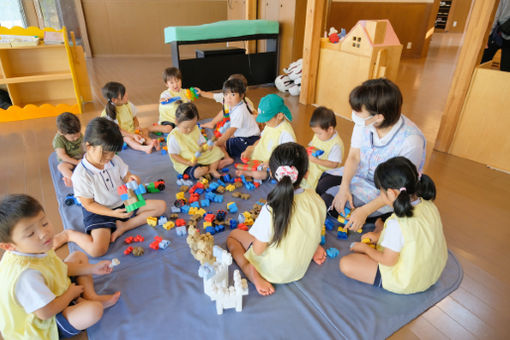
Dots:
(473, 199)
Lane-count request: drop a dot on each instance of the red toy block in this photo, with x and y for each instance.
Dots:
(256, 184)
(158, 238)
(242, 226)
(122, 190)
(154, 245)
(139, 238)
(185, 176)
(180, 222)
(129, 239)
(200, 185)
(128, 250)
(194, 197)
(238, 179)
(217, 134)
(209, 217)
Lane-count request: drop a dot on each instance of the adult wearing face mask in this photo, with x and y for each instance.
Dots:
(380, 133)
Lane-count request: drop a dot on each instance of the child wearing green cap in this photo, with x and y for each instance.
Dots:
(276, 115)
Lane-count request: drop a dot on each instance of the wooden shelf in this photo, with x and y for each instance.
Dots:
(37, 77)
(40, 46)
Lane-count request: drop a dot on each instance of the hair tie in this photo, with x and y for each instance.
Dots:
(402, 189)
(419, 175)
(285, 170)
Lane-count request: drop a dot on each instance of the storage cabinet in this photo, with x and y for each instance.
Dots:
(41, 80)
(442, 14)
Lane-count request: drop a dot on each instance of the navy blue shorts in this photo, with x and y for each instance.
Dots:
(93, 221)
(190, 170)
(65, 329)
(378, 279)
(236, 145)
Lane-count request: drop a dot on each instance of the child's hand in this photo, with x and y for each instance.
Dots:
(220, 143)
(208, 125)
(75, 291)
(371, 235)
(102, 268)
(357, 219)
(121, 213)
(132, 177)
(199, 91)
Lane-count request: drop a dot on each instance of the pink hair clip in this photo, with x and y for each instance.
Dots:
(402, 189)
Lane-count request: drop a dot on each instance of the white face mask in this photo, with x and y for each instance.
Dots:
(358, 120)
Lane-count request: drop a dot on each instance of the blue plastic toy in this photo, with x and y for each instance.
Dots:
(332, 253)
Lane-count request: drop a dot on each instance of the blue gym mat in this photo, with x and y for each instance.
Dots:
(162, 295)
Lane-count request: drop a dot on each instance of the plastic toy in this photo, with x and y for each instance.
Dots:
(163, 244)
(184, 188)
(131, 193)
(170, 100)
(152, 221)
(205, 203)
(195, 204)
(139, 238)
(209, 217)
(71, 200)
(162, 220)
(210, 229)
(313, 151)
(180, 195)
(157, 186)
(367, 240)
(241, 195)
(342, 233)
(137, 251)
(220, 189)
(233, 223)
(129, 239)
(128, 250)
(180, 202)
(220, 215)
(168, 225)
(185, 209)
(242, 226)
(175, 210)
(180, 231)
(323, 235)
(332, 253)
(180, 222)
(232, 207)
(115, 262)
(251, 165)
(329, 224)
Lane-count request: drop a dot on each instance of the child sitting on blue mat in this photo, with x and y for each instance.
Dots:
(286, 235)
(37, 298)
(326, 139)
(68, 145)
(411, 252)
(277, 117)
(243, 130)
(96, 180)
(188, 148)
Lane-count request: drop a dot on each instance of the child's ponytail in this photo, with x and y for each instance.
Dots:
(401, 174)
(110, 91)
(288, 164)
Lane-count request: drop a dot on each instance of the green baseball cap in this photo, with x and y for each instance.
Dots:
(270, 106)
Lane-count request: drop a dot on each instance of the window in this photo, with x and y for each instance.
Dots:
(12, 14)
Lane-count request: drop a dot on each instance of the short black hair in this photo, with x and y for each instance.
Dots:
(234, 85)
(105, 133)
(13, 208)
(171, 72)
(186, 111)
(378, 96)
(240, 77)
(323, 118)
(68, 123)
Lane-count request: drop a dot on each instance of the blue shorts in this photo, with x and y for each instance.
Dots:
(93, 221)
(65, 329)
(378, 279)
(236, 145)
(190, 170)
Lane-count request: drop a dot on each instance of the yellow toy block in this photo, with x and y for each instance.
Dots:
(230, 187)
(341, 219)
(248, 221)
(180, 195)
(152, 221)
(204, 181)
(366, 240)
(193, 211)
(359, 230)
(168, 225)
(323, 231)
(207, 224)
(201, 211)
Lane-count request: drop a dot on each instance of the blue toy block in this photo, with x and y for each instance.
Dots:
(140, 190)
(210, 196)
(323, 240)
(346, 212)
(181, 231)
(273, 181)
(132, 185)
(71, 200)
(233, 223)
(243, 179)
(341, 235)
(241, 218)
(164, 244)
(218, 199)
(162, 220)
(227, 178)
(232, 207)
(164, 152)
(332, 253)
(329, 224)
(199, 191)
(179, 176)
(220, 182)
(195, 204)
(210, 230)
(205, 203)
(185, 209)
(318, 153)
(225, 170)
(249, 186)
(219, 228)
(175, 210)
(124, 146)
(124, 197)
(213, 186)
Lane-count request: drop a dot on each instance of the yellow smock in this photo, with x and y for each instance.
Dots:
(167, 111)
(124, 117)
(289, 261)
(15, 323)
(189, 146)
(424, 254)
(269, 140)
(315, 170)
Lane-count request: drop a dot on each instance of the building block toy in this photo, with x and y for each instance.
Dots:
(180, 231)
(210, 229)
(205, 203)
(313, 151)
(329, 224)
(180, 202)
(185, 209)
(175, 210)
(220, 215)
(128, 250)
(342, 233)
(249, 186)
(233, 223)
(209, 217)
(131, 193)
(204, 181)
(227, 178)
(129, 239)
(323, 235)
(346, 213)
(219, 228)
(194, 197)
(332, 253)
(115, 262)
(168, 225)
(213, 185)
(206, 224)
(230, 187)
(71, 200)
(192, 211)
(152, 221)
(367, 240)
(137, 251)
(242, 226)
(138, 238)
(250, 165)
(184, 188)
(156, 186)
(232, 207)
(201, 212)
(238, 185)
(195, 204)
(164, 244)
(162, 220)
(180, 196)
(164, 150)
(180, 222)
(220, 189)
(173, 216)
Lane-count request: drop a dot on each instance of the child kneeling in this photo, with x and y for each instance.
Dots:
(95, 181)
(411, 252)
(188, 148)
(37, 298)
(286, 235)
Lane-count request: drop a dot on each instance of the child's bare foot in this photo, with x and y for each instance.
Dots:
(215, 174)
(68, 182)
(157, 145)
(109, 300)
(119, 231)
(147, 148)
(320, 255)
(200, 171)
(60, 239)
(225, 162)
(263, 287)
